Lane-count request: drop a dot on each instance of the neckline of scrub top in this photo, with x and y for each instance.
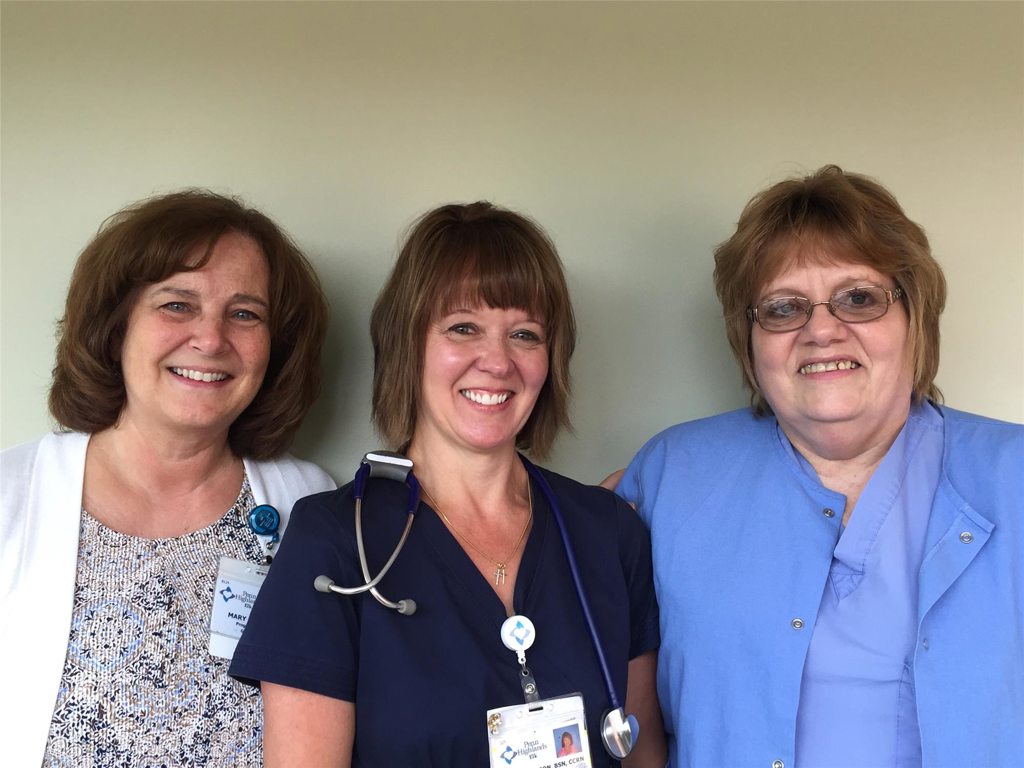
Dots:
(457, 562)
(856, 550)
(857, 539)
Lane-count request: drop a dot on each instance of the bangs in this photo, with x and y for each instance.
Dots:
(814, 244)
(195, 256)
(489, 268)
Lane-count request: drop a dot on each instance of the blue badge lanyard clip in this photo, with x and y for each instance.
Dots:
(265, 522)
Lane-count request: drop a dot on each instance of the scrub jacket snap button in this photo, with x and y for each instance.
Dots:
(778, 764)
(797, 624)
(828, 512)
(966, 537)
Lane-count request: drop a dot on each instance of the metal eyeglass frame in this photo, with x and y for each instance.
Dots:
(891, 295)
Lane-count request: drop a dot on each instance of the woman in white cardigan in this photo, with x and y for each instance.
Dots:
(132, 542)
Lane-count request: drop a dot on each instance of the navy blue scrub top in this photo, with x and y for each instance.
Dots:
(422, 684)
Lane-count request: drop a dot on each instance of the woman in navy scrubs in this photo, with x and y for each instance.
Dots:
(472, 338)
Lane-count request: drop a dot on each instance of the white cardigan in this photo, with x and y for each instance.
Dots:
(40, 515)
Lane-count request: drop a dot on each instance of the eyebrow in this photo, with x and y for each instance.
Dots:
(245, 298)
(855, 282)
(467, 311)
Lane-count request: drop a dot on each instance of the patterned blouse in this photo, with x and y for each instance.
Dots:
(140, 687)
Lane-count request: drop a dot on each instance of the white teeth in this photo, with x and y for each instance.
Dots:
(188, 373)
(832, 365)
(484, 398)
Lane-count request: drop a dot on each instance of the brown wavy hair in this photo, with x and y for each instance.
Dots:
(149, 241)
(846, 216)
(476, 254)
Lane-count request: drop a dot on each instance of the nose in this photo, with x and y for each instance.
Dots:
(823, 327)
(495, 357)
(208, 335)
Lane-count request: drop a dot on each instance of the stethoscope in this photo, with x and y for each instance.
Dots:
(618, 730)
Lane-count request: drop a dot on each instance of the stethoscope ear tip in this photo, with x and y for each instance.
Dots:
(406, 607)
(619, 733)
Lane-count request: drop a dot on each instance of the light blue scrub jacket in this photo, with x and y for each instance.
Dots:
(743, 543)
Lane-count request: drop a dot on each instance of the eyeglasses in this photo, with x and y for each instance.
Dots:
(862, 304)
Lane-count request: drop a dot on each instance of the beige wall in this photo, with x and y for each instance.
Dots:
(633, 132)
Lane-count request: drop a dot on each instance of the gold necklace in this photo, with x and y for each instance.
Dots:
(499, 565)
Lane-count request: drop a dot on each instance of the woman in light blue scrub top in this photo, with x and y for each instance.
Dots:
(840, 567)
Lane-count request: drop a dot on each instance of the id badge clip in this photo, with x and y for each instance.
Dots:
(234, 593)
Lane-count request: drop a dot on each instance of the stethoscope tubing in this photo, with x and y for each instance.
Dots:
(402, 606)
(371, 584)
(570, 556)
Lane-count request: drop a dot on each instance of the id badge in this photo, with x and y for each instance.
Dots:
(550, 733)
(238, 583)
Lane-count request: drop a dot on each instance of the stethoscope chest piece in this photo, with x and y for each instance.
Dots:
(619, 732)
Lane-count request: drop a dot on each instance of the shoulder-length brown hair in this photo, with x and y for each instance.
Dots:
(148, 242)
(477, 254)
(833, 212)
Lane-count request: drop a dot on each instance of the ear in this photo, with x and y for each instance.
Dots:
(115, 346)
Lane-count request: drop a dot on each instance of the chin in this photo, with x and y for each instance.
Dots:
(491, 444)
(206, 422)
(833, 415)
(834, 409)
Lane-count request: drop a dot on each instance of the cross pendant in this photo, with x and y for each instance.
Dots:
(499, 574)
